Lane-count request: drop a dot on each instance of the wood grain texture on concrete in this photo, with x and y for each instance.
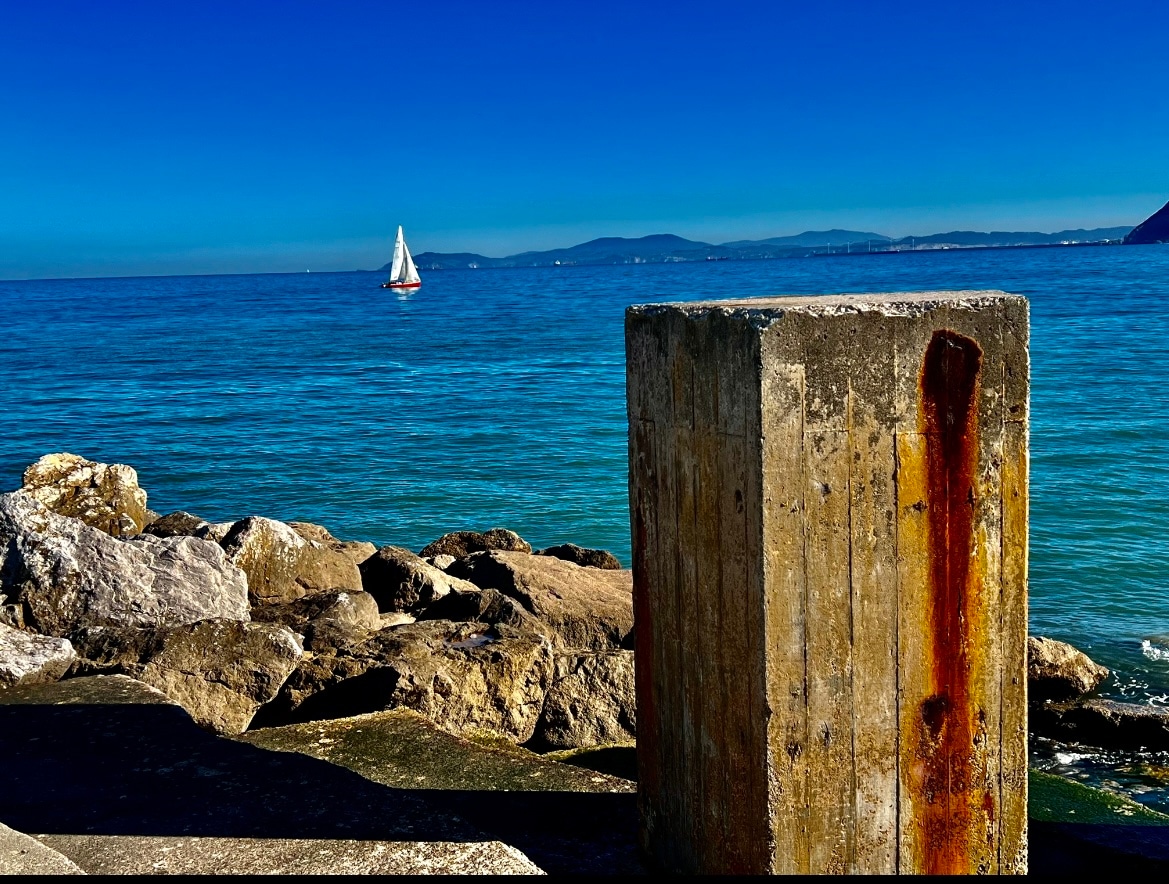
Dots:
(828, 500)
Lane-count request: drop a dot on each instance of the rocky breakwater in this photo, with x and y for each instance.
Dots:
(1062, 681)
(258, 622)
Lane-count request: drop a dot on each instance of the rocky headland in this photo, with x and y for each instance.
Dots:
(476, 664)
(1154, 229)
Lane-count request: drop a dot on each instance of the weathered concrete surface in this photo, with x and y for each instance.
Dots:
(23, 855)
(567, 819)
(177, 855)
(103, 496)
(829, 514)
(403, 749)
(28, 658)
(67, 575)
(108, 770)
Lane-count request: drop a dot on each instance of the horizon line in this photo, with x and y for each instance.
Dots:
(883, 238)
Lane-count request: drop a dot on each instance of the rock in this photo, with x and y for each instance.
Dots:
(28, 658)
(396, 618)
(464, 677)
(66, 575)
(488, 606)
(328, 620)
(579, 555)
(1104, 723)
(343, 605)
(1057, 671)
(591, 701)
(402, 581)
(463, 543)
(11, 615)
(103, 496)
(1154, 229)
(441, 562)
(216, 532)
(282, 566)
(587, 607)
(220, 671)
(176, 524)
(355, 550)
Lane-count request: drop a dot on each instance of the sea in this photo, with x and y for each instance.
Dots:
(496, 398)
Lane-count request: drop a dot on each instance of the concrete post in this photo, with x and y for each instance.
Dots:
(829, 509)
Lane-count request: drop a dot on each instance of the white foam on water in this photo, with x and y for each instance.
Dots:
(1070, 757)
(1153, 651)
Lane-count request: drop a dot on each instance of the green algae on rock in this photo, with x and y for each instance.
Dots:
(403, 749)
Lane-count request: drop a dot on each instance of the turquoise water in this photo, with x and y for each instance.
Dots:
(497, 398)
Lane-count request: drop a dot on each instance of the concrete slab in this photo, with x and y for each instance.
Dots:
(22, 855)
(155, 855)
(117, 778)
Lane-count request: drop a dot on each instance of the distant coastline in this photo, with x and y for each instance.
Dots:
(667, 248)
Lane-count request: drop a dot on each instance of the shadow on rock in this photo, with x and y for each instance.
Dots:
(138, 765)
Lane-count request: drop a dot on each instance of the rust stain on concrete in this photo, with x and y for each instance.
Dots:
(950, 386)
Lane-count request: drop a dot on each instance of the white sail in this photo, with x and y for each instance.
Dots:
(411, 270)
(399, 253)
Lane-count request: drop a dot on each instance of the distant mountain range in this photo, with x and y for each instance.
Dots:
(665, 248)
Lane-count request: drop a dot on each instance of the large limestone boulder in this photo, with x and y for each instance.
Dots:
(402, 581)
(356, 550)
(103, 496)
(465, 677)
(1059, 672)
(586, 607)
(591, 701)
(66, 575)
(28, 658)
(220, 671)
(581, 555)
(282, 566)
(328, 620)
(343, 605)
(463, 543)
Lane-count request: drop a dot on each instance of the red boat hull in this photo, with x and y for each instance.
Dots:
(401, 285)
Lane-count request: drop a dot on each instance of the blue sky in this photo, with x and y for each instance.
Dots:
(161, 137)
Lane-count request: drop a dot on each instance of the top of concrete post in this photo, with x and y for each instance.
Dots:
(882, 303)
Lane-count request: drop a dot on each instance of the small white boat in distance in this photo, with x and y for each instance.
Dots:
(403, 273)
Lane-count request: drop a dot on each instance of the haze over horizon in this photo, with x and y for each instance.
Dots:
(144, 139)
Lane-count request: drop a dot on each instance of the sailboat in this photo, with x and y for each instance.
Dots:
(403, 273)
